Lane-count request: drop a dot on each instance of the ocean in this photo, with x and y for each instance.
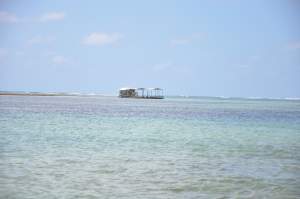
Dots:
(110, 147)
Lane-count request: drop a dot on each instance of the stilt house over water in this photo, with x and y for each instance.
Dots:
(149, 93)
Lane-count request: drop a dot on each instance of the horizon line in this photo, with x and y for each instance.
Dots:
(63, 93)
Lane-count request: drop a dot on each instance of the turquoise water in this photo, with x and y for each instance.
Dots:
(106, 147)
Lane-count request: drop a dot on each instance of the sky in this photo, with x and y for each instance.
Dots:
(230, 48)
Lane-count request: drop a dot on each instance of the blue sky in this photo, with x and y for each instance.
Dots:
(231, 48)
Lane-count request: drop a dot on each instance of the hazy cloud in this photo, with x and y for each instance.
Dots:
(181, 41)
(52, 16)
(3, 55)
(172, 68)
(294, 45)
(3, 52)
(41, 40)
(243, 66)
(254, 58)
(60, 60)
(249, 62)
(162, 67)
(187, 40)
(6, 17)
(99, 38)
(19, 53)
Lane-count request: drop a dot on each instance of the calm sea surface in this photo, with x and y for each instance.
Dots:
(106, 147)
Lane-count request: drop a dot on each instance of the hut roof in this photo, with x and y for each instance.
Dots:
(123, 89)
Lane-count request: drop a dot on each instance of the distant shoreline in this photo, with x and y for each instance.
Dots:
(45, 94)
(33, 94)
(23, 93)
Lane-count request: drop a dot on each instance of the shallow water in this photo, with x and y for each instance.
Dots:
(106, 147)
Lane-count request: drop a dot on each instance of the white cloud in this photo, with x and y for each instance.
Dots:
(60, 60)
(99, 38)
(6, 17)
(41, 40)
(52, 16)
